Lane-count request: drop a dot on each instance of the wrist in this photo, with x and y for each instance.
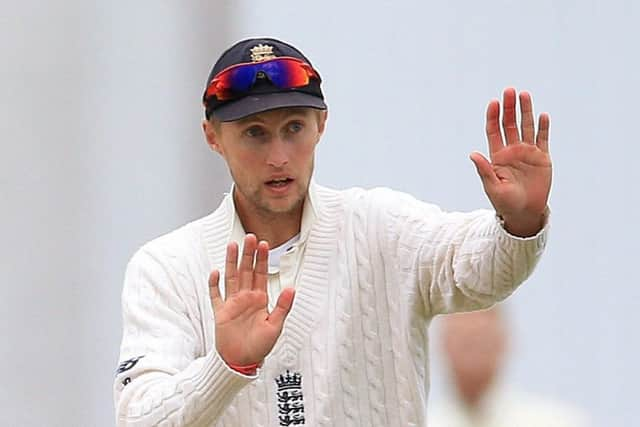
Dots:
(242, 367)
(523, 225)
(249, 370)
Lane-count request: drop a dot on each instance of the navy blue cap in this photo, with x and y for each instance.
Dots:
(263, 96)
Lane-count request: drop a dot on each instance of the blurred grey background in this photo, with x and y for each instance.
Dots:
(102, 150)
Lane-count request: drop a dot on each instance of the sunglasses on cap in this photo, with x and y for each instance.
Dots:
(283, 72)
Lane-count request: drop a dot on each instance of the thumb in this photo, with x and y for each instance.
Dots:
(486, 172)
(282, 308)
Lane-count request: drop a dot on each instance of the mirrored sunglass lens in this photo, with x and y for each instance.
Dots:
(285, 73)
(241, 79)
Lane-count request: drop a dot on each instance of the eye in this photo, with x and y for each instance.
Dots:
(254, 132)
(295, 127)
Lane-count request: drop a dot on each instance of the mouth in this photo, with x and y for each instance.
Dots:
(279, 182)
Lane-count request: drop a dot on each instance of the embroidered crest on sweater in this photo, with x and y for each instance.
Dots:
(290, 399)
(128, 364)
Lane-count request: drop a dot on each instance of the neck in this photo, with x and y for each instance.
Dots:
(274, 227)
(471, 398)
(472, 393)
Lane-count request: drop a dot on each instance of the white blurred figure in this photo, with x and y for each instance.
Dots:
(475, 345)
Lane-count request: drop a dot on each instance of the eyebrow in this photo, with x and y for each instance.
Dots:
(293, 111)
(249, 119)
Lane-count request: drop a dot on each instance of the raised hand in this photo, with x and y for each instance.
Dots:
(245, 330)
(517, 180)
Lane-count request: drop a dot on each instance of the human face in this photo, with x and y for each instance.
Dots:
(475, 345)
(270, 157)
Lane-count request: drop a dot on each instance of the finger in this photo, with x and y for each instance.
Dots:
(261, 272)
(527, 121)
(231, 270)
(245, 271)
(214, 290)
(485, 170)
(542, 140)
(282, 308)
(492, 127)
(509, 116)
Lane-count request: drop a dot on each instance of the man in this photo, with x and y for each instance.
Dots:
(367, 269)
(475, 345)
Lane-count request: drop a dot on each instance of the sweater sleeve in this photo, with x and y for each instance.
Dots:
(458, 261)
(163, 377)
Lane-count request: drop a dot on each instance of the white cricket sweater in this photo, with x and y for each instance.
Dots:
(377, 266)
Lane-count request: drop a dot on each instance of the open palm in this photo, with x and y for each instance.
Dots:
(517, 180)
(245, 331)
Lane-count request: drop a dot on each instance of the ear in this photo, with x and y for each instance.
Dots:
(322, 122)
(212, 136)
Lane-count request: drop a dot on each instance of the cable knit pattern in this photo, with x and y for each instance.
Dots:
(377, 266)
(318, 362)
(346, 351)
(258, 401)
(369, 322)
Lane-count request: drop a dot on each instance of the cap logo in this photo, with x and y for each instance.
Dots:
(262, 52)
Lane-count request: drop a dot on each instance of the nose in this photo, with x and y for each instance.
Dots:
(277, 155)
